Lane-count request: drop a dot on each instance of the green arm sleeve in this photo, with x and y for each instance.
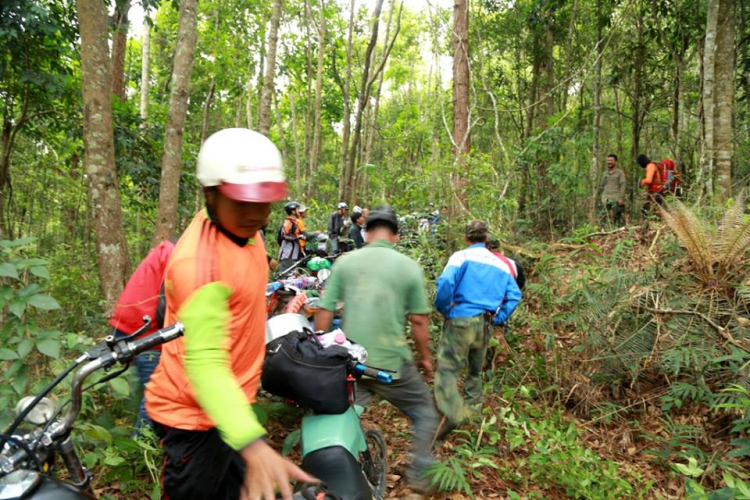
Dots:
(206, 317)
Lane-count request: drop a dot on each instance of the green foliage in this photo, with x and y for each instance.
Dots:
(543, 448)
(27, 342)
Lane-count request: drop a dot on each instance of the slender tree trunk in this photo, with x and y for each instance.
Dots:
(280, 127)
(461, 89)
(171, 162)
(238, 112)
(249, 96)
(676, 99)
(309, 107)
(119, 45)
(264, 114)
(297, 170)
(569, 52)
(316, 147)
(259, 85)
(638, 87)
(207, 109)
(98, 136)
(346, 91)
(145, 70)
(595, 153)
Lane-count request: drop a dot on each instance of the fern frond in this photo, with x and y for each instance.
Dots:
(734, 234)
(692, 235)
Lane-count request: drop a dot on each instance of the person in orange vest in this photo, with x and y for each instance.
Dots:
(200, 397)
(652, 182)
(302, 211)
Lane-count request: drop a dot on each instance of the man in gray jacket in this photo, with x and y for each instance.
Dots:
(337, 223)
(613, 192)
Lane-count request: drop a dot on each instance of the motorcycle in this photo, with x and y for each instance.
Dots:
(350, 461)
(287, 293)
(28, 457)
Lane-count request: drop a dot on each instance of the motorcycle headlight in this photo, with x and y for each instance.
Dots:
(44, 410)
(16, 484)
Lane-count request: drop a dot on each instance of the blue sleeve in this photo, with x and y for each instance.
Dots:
(446, 285)
(510, 302)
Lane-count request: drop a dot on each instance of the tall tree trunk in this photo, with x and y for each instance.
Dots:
(724, 85)
(98, 136)
(171, 161)
(595, 153)
(264, 114)
(570, 50)
(346, 95)
(461, 139)
(145, 70)
(369, 75)
(309, 106)
(640, 55)
(119, 45)
(717, 150)
(379, 89)
(316, 147)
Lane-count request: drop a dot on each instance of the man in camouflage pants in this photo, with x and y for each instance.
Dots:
(474, 291)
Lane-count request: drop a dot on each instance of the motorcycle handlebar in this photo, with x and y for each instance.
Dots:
(378, 375)
(124, 352)
(101, 357)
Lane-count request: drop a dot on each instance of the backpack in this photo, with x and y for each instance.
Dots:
(280, 232)
(516, 270)
(670, 177)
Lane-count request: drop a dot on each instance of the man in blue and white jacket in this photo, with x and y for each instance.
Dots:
(474, 291)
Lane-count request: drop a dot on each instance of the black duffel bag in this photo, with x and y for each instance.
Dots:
(299, 369)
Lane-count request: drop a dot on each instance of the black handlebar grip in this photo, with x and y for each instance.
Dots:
(157, 338)
(371, 372)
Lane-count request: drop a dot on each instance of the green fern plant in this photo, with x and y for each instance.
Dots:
(715, 252)
(450, 475)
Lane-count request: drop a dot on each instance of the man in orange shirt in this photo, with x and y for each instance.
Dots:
(653, 183)
(201, 394)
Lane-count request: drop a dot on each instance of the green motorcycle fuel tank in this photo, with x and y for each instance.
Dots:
(324, 431)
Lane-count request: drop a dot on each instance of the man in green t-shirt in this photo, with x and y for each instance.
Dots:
(381, 289)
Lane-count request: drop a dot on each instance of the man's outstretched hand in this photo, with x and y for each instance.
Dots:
(268, 471)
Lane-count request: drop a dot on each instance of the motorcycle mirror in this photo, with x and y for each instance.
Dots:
(323, 274)
(44, 410)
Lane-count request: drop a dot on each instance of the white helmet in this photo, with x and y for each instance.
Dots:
(342, 206)
(244, 165)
